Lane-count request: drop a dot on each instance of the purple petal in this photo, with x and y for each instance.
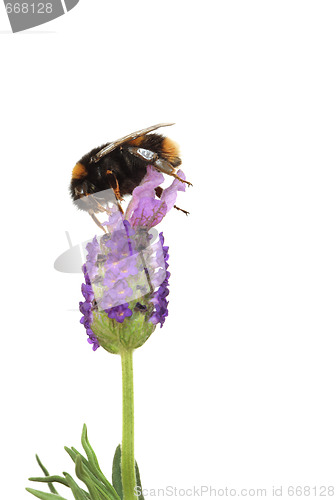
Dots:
(148, 213)
(146, 189)
(169, 194)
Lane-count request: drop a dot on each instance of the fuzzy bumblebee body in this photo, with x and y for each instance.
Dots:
(121, 169)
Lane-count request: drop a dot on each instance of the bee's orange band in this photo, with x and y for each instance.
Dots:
(170, 148)
(79, 171)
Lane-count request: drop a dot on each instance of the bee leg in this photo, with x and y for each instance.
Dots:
(182, 180)
(97, 221)
(181, 210)
(158, 192)
(100, 207)
(119, 205)
(91, 211)
(116, 189)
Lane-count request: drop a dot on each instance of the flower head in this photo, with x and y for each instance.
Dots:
(126, 276)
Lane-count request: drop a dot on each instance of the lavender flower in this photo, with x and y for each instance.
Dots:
(126, 276)
(119, 313)
(159, 300)
(86, 309)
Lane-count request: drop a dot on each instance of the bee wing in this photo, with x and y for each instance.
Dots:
(110, 147)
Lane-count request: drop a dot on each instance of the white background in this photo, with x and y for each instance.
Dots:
(238, 389)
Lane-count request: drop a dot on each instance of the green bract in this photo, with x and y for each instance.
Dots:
(130, 334)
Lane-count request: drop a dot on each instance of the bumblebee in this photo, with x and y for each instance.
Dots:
(113, 170)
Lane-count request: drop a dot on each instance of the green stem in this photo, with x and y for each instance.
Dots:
(127, 448)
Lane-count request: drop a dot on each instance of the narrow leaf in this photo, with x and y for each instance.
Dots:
(45, 496)
(94, 486)
(96, 472)
(74, 454)
(46, 473)
(116, 472)
(138, 481)
(50, 479)
(44, 469)
(78, 493)
(80, 473)
(88, 448)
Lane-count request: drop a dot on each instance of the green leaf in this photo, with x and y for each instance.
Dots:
(138, 481)
(50, 479)
(116, 472)
(91, 472)
(44, 470)
(88, 449)
(45, 496)
(98, 477)
(87, 470)
(87, 479)
(74, 454)
(91, 467)
(46, 473)
(78, 493)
